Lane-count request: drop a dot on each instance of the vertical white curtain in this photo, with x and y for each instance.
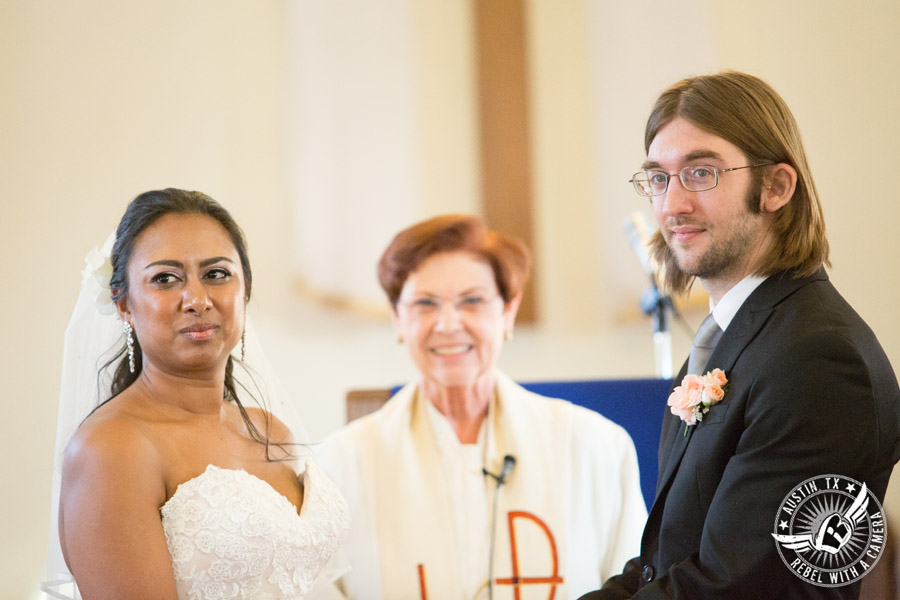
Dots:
(380, 132)
(351, 139)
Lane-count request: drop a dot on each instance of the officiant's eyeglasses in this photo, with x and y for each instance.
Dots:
(427, 306)
(694, 178)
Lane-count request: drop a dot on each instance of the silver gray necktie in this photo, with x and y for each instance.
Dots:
(704, 343)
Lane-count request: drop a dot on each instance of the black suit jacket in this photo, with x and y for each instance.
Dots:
(810, 392)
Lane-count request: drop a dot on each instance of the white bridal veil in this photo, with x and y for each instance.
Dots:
(92, 338)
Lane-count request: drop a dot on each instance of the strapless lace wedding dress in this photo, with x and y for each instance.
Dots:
(231, 535)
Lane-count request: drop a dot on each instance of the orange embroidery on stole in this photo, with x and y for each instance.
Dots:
(553, 580)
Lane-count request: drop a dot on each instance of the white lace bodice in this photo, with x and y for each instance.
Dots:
(231, 535)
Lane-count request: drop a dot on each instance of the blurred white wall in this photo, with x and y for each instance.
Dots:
(102, 100)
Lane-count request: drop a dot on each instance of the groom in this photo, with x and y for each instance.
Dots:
(809, 392)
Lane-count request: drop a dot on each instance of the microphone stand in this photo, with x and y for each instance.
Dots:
(653, 302)
(500, 481)
(509, 463)
(659, 306)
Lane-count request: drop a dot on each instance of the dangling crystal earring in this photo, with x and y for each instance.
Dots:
(129, 343)
(243, 347)
(507, 335)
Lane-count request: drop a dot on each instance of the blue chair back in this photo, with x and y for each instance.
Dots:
(638, 405)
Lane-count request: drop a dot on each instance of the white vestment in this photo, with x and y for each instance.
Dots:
(570, 513)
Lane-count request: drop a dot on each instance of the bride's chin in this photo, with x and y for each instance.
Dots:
(190, 365)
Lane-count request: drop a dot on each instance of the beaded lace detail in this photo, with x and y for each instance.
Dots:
(231, 535)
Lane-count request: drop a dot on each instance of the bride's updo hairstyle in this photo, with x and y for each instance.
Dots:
(143, 212)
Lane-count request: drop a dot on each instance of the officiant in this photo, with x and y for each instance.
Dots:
(465, 485)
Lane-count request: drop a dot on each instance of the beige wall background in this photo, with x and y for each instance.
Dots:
(102, 100)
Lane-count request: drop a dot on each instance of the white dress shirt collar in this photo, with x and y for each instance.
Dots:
(731, 302)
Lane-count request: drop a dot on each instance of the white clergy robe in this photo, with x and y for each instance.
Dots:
(570, 513)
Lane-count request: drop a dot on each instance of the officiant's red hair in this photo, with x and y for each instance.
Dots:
(508, 257)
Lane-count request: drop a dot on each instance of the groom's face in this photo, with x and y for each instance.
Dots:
(713, 234)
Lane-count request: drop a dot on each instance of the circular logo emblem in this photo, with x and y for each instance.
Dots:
(830, 530)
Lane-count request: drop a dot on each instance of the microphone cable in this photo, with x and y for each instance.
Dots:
(509, 463)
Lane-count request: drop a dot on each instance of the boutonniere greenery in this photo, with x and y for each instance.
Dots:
(697, 393)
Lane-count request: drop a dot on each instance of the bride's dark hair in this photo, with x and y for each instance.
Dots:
(141, 213)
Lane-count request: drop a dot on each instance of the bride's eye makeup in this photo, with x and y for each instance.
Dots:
(164, 279)
(218, 275)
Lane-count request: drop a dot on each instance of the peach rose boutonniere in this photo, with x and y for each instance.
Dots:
(697, 393)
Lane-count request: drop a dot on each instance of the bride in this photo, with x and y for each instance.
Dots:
(172, 487)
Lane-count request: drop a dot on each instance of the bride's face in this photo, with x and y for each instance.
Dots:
(185, 295)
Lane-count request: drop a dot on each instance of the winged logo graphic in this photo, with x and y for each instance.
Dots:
(833, 532)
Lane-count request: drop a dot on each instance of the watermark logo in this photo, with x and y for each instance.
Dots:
(830, 530)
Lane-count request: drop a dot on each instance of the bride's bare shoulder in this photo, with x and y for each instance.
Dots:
(112, 437)
(113, 486)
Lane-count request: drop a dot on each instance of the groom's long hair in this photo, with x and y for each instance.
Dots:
(745, 111)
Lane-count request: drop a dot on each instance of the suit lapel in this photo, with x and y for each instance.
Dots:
(669, 454)
(680, 436)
